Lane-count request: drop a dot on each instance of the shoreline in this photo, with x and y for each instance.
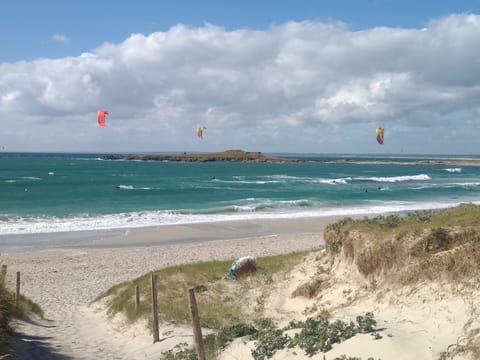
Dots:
(215, 231)
(162, 235)
(190, 232)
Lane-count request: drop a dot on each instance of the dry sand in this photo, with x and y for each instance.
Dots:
(419, 322)
(424, 321)
(64, 281)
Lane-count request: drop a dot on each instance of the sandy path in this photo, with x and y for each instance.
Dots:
(64, 281)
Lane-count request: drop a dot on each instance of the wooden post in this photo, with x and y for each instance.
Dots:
(17, 293)
(137, 297)
(197, 330)
(156, 335)
(4, 274)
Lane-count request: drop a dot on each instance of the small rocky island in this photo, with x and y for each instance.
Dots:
(258, 157)
(229, 155)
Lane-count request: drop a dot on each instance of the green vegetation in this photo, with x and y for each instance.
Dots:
(213, 343)
(344, 357)
(314, 335)
(8, 310)
(6, 313)
(320, 334)
(417, 246)
(221, 301)
(180, 351)
(462, 215)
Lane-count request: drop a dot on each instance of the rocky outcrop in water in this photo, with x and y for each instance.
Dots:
(229, 155)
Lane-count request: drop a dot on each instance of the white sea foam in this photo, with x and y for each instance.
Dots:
(296, 203)
(240, 180)
(131, 187)
(244, 208)
(446, 185)
(334, 181)
(392, 179)
(285, 177)
(29, 178)
(33, 225)
(125, 187)
(453, 170)
(273, 179)
(467, 184)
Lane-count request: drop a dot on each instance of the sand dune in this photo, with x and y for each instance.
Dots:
(425, 320)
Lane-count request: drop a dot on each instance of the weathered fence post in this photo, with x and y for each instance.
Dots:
(17, 293)
(197, 330)
(4, 274)
(156, 335)
(137, 297)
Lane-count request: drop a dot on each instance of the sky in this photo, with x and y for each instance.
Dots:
(276, 76)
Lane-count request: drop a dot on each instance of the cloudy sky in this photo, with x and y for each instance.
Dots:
(274, 76)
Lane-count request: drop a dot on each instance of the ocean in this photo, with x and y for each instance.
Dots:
(64, 193)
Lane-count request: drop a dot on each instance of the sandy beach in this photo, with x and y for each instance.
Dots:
(429, 320)
(64, 279)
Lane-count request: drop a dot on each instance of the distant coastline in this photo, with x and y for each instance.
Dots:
(252, 157)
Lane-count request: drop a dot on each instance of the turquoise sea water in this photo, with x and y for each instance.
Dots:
(51, 193)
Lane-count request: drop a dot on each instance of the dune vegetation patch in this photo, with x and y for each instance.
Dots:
(418, 246)
(9, 309)
(221, 300)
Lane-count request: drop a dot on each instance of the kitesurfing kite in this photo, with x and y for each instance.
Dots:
(380, 132)
(200, 131)
(101, 114)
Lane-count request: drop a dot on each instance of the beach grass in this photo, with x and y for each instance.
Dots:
(221, 300)
(9, 310)
(6, 313)
(419, 246)
(462, 215)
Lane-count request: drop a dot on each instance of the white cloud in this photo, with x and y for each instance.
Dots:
(60, 38)
(298, 86)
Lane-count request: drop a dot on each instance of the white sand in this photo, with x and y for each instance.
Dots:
(64, 281)
(418, 322)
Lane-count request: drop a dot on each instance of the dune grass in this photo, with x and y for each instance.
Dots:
(9, 310)
(460, 216)
(6, 313)
(418, 246)
(221, 301)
